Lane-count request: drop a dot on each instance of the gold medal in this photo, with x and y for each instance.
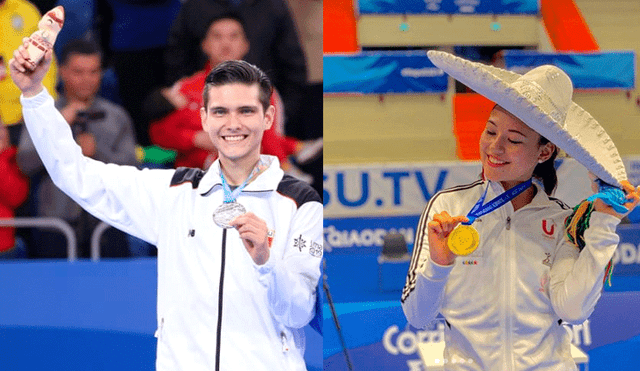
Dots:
(463, 240)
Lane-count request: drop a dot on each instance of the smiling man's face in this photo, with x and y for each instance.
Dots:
(235, 121)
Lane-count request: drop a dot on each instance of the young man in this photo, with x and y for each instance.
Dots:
(103, 131)
(181, 129)
(239, 246)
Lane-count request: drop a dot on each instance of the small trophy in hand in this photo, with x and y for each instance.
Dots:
(43, 39)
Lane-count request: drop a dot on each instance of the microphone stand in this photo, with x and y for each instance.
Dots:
(325, 286)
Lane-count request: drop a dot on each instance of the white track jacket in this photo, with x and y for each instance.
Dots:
(503, 303)
(217, 310)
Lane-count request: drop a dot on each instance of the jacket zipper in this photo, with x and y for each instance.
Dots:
(283, 338)
(505, 293)
(511, 290)
(219, 331)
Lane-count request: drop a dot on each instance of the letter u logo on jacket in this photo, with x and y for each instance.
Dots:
(549, 231)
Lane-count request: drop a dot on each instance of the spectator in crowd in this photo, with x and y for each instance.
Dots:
(14, 189)
(104, 132)
(182, 129)
(271, 32)
(136, 35)
(18, 19)
(308, 17)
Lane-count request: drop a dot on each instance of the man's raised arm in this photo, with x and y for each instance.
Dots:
(123, 196)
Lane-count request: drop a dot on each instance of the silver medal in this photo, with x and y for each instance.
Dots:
(226, 212)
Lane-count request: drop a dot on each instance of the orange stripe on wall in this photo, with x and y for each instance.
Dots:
(567, 29)
(470, 114)
(339, 27)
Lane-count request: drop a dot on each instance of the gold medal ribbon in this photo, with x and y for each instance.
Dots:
(465, 239)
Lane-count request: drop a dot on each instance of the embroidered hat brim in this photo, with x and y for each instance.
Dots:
(550, 111)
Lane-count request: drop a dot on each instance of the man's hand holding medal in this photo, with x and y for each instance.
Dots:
(254, 234)
(253, 231)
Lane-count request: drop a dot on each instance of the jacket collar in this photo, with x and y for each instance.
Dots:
(541, 199)
(267, 181)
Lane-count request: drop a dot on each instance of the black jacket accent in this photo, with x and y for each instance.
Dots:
(187, 174)
(155, 106)
(297, 190)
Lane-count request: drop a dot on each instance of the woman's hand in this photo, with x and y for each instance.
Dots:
(438, 232)
(632, 195)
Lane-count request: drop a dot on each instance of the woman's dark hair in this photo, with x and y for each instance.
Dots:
(546, 171)
(234, 72)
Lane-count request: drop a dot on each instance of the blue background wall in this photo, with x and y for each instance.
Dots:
(56, 315)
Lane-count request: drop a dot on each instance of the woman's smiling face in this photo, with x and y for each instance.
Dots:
(510, 150)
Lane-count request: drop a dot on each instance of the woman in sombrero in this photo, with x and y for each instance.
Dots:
(493, 257)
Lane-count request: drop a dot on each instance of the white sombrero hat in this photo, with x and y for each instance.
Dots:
(542, 99)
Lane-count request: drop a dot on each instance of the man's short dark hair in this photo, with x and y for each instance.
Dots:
(234, 72)
(226, 15)
(79, 46)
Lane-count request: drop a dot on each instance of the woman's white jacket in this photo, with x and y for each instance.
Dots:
(504, 303)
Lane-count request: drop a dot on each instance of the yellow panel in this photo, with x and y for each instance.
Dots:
(410, 128)
(618, 115)
(388, 128)
(437, 30)
(614, 24)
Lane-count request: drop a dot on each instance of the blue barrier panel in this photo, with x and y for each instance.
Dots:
(56, 315)
(378, 337)
(378, 73)
(597, 70)
(44, 348)
(627, 257)
(521, 7)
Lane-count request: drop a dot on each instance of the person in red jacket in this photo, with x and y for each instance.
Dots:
(181, 129)
(14, 189)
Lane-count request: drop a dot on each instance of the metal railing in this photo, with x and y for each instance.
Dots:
(65, 228)
(52, 223)
(95, 240)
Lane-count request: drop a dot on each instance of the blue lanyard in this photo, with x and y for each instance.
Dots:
(230, 196)
(479, 209)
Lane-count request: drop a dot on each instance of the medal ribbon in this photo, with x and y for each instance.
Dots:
(479, 209)
(230, 196)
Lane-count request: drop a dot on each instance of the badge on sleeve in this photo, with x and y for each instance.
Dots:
(270, 235)
(315, 249)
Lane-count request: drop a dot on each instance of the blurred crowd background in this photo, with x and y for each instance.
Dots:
(128, 77)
